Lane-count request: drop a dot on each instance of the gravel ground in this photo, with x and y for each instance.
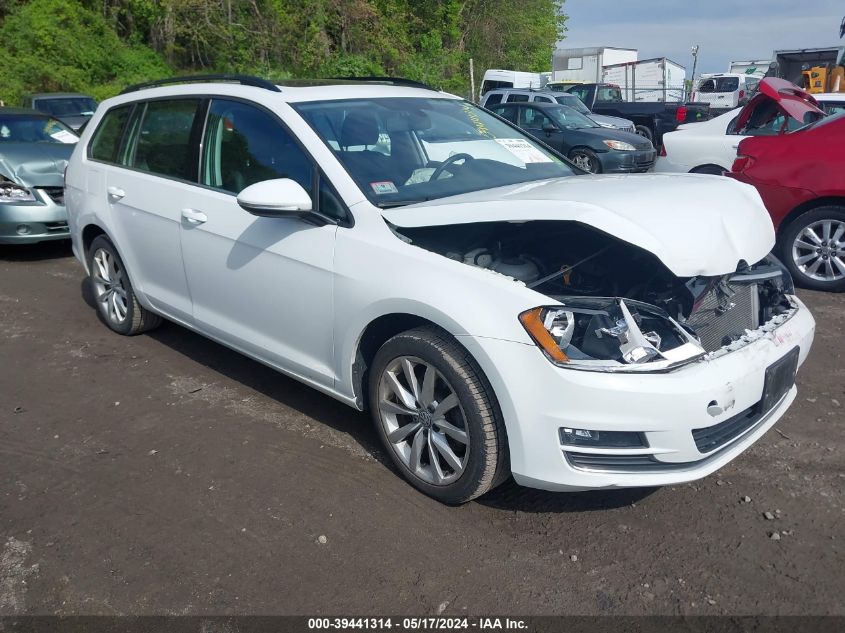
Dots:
(165, 474)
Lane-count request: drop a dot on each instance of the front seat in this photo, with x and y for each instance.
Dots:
(361, 129)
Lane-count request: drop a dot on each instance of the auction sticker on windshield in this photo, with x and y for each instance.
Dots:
(523, 150)
(384, 186)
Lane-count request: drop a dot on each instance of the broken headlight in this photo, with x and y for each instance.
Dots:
(11, 193)
(610, 334)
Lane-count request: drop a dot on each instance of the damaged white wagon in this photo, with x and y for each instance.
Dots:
(411, 254)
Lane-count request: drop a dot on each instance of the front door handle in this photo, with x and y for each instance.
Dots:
(115, 193)
(192, 216)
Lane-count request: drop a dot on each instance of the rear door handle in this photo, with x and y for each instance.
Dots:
(115, 193)
(192, 216)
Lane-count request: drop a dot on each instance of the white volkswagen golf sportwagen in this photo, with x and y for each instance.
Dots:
(407, 252)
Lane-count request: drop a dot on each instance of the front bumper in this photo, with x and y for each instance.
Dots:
(538, 399)
(31, 222)
(627, 162)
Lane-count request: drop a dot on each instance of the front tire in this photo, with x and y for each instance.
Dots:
(813, 249)
(437, 416)
(585, 159)
(116, 302)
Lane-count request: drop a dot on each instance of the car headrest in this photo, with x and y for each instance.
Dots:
(360, 127)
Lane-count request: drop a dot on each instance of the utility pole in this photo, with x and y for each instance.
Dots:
(694, 51)
(472, 80)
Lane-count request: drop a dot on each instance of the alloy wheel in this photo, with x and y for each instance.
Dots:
(109, 288)
(582, 161)
(423, 420)
(819, 250)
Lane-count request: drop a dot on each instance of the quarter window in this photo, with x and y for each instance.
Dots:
(244, 145)
(106, 139)
(163, 142)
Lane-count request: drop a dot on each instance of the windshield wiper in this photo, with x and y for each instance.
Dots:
(390, 204)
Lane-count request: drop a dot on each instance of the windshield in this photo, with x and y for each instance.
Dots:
(405, 150)
(569, 119)
(67, 106)
(34, 129)
(573, 102)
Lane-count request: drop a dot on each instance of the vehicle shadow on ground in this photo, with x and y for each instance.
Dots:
(515, 498)
(358, 426)
(265, 380)
(34, 252)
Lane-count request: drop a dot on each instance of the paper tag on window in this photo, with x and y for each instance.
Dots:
(383, 187)
(63, 136)
(523, 150)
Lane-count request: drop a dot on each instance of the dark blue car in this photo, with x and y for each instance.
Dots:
(591, 147)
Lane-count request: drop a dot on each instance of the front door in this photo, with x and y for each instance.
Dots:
(262, 285)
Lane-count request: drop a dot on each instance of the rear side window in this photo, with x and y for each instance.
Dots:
(494, 98)
(542, 99)
(162, 143)
(516, 98)
(106, 138)
(506, 112)
(727, 84)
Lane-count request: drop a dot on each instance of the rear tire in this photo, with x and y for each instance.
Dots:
(437, 416)
(812, 247)
(116, 302)
(642, 130)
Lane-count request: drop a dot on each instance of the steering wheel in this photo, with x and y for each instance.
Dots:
(446, 163)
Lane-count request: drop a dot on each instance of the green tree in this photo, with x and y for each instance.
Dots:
(56, 45)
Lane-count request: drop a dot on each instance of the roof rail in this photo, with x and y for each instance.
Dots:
(396, 81)
(245, 80)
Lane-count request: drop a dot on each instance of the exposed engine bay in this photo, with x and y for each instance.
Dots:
(621, 305)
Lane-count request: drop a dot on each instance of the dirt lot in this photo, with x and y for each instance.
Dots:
(165, 474)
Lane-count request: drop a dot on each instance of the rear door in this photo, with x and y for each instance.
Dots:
(146, 192)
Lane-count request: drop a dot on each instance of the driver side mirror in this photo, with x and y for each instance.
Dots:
(278, 198)
(549, 128)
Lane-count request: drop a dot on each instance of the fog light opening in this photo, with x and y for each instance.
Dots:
(602, 439)
(23, 229)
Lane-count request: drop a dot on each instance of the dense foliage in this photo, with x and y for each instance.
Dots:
(98, 46)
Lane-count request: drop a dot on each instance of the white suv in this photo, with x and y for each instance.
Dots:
(407, 252)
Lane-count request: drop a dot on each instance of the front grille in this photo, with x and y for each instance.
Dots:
(713, 437)
(716, 326)
(56, 227)
(618, 463)
(56, 194)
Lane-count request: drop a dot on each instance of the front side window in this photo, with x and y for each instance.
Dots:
(244, 145)
(517, 98)
(106, 138)
(573, 102)
(161, 140)
(34, 129)
(569, 119)
(404, 150)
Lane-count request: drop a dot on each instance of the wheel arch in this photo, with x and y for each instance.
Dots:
(701, 169)
(380, 329)
(89, 234)
(804, 207)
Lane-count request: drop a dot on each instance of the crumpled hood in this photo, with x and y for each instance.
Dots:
(35, 164)
(694, 223)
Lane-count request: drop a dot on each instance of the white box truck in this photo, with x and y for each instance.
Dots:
(658, 79)
(585, 65)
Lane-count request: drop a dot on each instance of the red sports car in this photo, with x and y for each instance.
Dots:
(801, 178)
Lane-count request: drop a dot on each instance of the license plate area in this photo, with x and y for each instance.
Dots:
(780, 376)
